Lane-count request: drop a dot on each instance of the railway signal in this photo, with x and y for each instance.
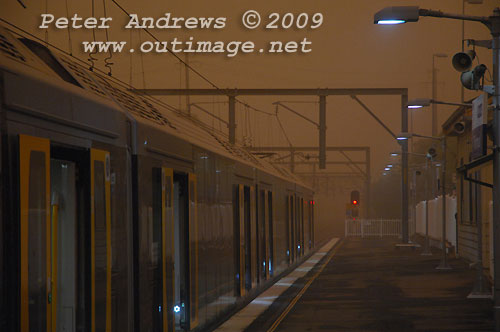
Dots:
(354, 197)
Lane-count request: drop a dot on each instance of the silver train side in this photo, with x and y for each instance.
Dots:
(120, 214)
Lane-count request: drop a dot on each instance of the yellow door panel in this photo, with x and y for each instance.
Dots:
(35, 246)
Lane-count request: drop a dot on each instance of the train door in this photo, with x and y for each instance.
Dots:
(245, 236)
(289, 228)
(253, 232)
(302, 228)
(65, 228)
(156, 232)
(270, 232)
(266, 236)
(185, 251)
(262, 235)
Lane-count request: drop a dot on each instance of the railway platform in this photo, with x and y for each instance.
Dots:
(368, 285)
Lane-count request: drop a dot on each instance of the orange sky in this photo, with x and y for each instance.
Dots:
(349, 51)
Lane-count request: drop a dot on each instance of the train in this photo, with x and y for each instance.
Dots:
(120, 213)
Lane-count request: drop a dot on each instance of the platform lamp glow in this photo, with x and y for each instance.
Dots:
(444, 259)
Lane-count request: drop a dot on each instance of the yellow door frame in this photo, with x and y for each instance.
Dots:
(103, 156)
(27, 144)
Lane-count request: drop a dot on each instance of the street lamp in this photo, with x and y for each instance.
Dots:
(405, 136)
(424, 102)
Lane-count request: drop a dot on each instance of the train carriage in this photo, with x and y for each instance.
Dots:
(119, 213)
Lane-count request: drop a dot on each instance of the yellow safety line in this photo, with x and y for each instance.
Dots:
(303, 290)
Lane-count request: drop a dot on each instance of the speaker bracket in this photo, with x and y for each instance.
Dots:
(488, 43)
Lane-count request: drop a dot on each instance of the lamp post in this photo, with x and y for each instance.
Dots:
(405, 136)
(434, 91)
(427, 247)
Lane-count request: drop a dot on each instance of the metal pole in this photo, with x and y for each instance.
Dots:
(292, 161)
(444, 262)
(495, 32)
(368, 183)
(232, 119)
(434, 97)
(188, 103)
(427, 249)
(322, 132)
(404, 169)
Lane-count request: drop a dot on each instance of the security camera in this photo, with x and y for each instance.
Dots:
(472, 79)
(459, 127)
(462, 61)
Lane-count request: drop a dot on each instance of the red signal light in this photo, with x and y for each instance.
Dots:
(355, 202)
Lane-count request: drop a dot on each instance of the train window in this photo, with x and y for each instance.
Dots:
(37, 246)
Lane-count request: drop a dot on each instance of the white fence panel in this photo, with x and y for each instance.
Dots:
(436, 219)
(373, 227)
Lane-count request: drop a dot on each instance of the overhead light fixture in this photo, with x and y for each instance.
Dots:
(397, 15)
(403, 136)
(419, 102)
(387, 169)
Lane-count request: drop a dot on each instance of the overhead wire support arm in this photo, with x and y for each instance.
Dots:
(351, 162)
(296, 113)
(208, 112)
(374, 116)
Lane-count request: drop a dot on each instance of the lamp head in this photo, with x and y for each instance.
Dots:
(397, 15)
(403, 136)
(419, 103)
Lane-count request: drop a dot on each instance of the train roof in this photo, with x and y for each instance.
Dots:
(28, 57)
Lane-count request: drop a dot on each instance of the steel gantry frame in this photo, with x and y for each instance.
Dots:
(321, 94)
(358, 171)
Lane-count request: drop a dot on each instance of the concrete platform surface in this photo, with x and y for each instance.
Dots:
(368, 285)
